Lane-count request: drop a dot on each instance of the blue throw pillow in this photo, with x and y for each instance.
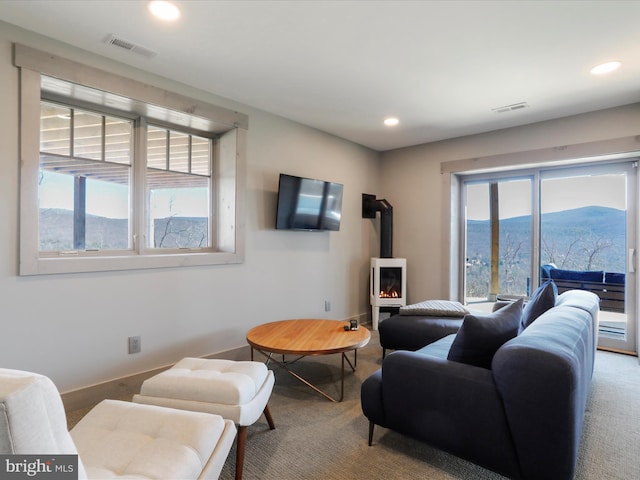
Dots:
(541, 300)
(480, 336)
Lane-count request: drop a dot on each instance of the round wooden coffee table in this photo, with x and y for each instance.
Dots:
(305, 337)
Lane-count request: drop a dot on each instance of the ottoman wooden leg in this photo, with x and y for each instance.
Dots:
(267, 415)
(242, 441)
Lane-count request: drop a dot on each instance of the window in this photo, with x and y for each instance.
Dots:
(84, 181)
(120, 175)
(178, 189)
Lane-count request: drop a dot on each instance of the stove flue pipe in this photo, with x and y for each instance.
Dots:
(371, 205)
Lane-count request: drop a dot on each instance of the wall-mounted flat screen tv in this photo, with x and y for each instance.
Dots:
(308, 204)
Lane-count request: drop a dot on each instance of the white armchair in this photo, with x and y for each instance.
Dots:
(115, 439)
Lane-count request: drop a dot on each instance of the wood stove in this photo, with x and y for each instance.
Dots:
(387, 286)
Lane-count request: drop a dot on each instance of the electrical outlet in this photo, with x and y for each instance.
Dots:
(327, 306)
(135, 345)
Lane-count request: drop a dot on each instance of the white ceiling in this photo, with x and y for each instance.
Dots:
(343, 66)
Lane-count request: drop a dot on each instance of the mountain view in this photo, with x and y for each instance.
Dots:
(102, 233)
(587, 238)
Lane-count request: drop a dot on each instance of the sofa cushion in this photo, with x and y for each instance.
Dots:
(411, 332)
(482, 335)
(542, 300)
(439, 348)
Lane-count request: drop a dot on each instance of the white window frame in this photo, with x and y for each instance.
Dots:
(228, 173)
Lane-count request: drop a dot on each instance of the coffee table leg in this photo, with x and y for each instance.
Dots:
(344, 356)
(352, 365)
(305, 381)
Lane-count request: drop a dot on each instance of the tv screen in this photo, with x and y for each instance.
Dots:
(307, 204)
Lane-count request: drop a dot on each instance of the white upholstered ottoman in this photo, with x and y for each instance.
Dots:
(238, 391)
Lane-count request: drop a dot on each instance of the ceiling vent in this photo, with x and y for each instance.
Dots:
(129, 46)
(510, 108)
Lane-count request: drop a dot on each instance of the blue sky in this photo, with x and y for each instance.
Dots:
(557, 195)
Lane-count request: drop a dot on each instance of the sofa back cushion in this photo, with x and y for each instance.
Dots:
(595, 276)
(482, 335)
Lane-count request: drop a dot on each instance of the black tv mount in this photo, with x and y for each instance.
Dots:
(370, 207)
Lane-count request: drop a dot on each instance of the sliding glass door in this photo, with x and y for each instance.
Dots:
(575, 225)
(587, 239)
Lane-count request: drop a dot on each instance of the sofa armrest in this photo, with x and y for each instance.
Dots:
(371, 399)
(451, 405)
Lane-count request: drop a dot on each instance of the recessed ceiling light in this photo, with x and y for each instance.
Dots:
(164, 10)
(391, 121)
(605, 68)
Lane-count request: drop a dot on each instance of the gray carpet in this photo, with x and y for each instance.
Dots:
(318, 439)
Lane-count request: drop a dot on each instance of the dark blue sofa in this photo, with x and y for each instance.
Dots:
(522, 418)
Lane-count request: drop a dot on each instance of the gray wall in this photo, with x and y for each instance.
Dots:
(74, 327)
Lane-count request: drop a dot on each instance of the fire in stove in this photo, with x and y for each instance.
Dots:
(389, 294)
(390, 282)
